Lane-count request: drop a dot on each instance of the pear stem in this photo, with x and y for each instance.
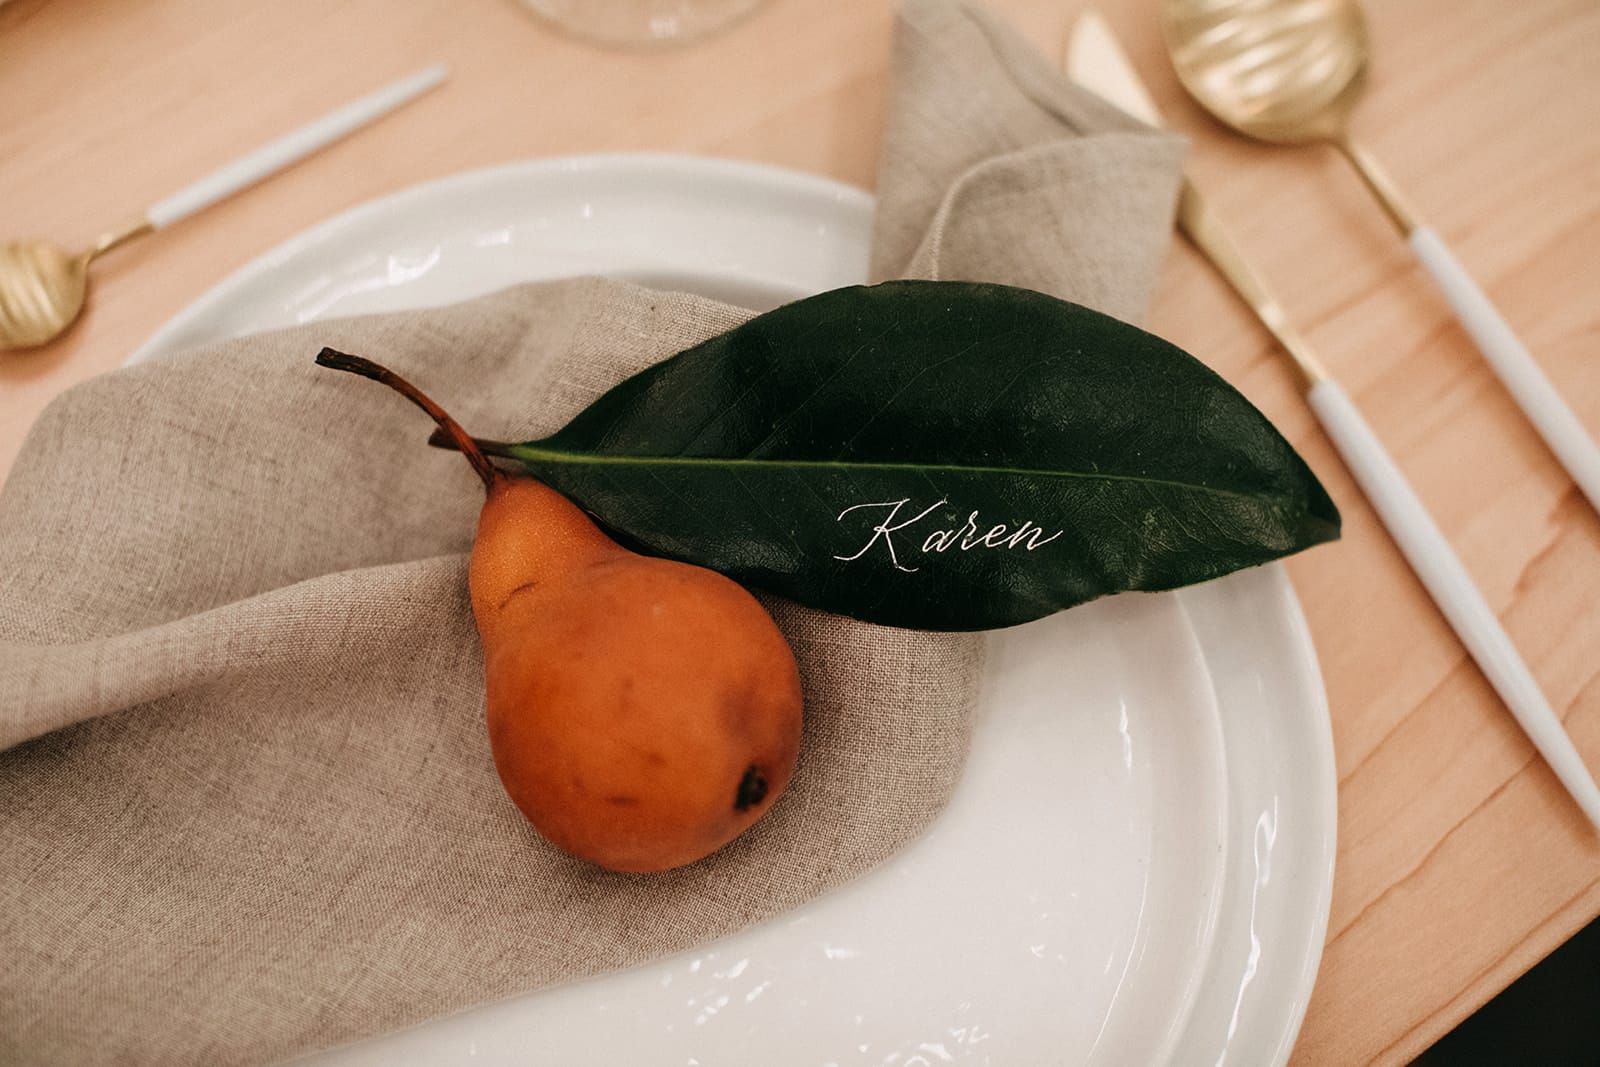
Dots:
(441, 439)
(452, 429)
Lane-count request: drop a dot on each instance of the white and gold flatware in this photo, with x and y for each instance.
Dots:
(1289, 72)
(43, 287)
(1097, 62)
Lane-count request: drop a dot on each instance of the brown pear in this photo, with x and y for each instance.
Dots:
(642, 713)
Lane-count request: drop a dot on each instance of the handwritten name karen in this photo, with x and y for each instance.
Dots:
(966, 537)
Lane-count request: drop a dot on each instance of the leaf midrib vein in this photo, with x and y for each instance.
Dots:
(596, 459)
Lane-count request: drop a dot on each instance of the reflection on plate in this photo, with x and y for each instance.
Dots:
(1136, 866)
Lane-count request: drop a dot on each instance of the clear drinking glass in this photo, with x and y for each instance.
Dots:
(640, 23)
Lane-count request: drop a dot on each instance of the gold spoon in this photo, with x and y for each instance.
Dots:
(1289, 72)
(43, 287)
(1096, 61)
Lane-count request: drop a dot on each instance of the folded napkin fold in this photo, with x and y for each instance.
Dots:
(248, 804)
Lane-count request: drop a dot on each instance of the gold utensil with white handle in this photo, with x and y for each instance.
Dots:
(1097, 62)
(1289, 72)
(43, 287)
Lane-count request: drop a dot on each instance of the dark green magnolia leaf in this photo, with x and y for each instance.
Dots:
(938, 455)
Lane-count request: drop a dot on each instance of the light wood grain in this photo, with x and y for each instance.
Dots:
(1461, 862)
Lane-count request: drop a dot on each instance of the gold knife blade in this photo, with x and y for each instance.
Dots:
(1097, 62)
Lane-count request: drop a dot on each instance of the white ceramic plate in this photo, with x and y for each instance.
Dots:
(1137, 864)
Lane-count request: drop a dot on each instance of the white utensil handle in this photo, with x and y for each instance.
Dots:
(1550, 415)
(1452, 588)
(291, 148)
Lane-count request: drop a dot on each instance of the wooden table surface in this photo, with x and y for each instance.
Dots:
(1461, 862)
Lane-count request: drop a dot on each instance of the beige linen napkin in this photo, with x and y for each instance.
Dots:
(247, 807)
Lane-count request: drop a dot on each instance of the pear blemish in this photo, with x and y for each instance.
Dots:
(609, 677)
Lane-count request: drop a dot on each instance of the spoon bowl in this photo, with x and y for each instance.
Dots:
(42, 290)
(1283, 72)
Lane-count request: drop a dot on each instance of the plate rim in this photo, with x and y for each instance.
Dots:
(849, 197)
(1303, 676)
